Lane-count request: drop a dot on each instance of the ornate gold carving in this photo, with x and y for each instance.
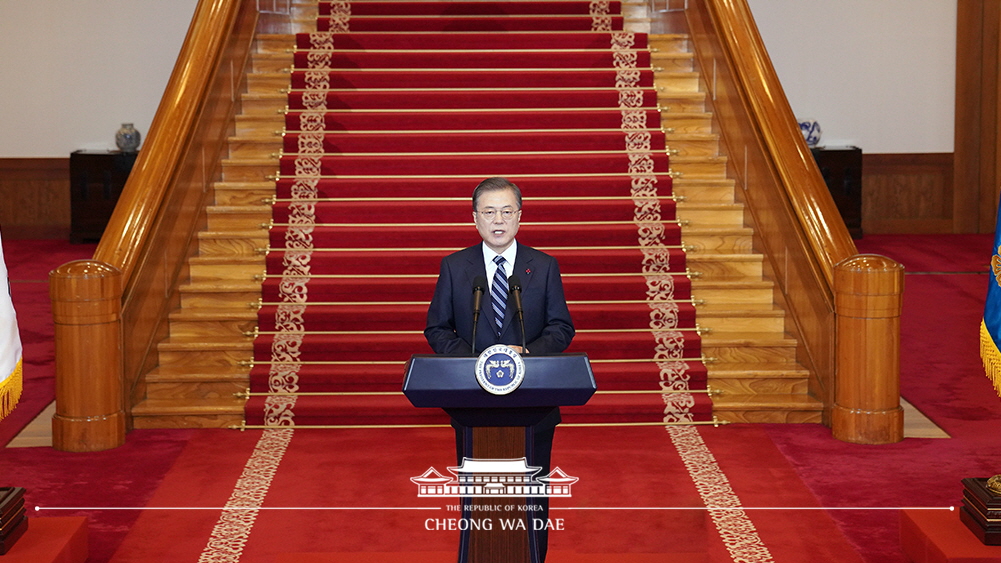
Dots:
(994, 484)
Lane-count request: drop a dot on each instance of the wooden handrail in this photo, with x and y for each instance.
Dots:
(152, 231)
(809, 196)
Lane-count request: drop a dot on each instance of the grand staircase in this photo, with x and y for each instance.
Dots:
(205, 360)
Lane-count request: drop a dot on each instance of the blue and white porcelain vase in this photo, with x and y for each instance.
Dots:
(127, 138)
(811, 131)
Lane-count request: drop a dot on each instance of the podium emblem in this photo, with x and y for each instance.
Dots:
(500, 370)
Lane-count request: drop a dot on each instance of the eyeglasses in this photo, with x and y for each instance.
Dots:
(506, 214)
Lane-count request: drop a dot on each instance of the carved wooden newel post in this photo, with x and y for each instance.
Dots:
(868, 297)
(86, 308)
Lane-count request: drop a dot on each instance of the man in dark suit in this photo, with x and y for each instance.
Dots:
(548, 328)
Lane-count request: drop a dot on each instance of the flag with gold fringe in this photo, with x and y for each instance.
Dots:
(11, 379)
(990, 328)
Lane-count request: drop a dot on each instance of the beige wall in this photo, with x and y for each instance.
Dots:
(879, 74)
(74, 70)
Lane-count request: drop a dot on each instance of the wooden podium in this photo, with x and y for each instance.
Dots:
(499, 428)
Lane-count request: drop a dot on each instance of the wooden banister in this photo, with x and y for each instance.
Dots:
(151, 233)
(809, 197)
(809, 251)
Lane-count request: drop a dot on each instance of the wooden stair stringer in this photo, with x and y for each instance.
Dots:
(752, 360)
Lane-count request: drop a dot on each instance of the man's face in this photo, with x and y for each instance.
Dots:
(497, 231)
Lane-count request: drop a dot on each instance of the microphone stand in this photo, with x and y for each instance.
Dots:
(514, 285)
(478, 284)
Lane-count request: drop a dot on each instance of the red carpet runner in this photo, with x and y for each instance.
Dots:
(396, 111)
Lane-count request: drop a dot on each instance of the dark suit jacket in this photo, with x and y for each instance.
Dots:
(548, 328)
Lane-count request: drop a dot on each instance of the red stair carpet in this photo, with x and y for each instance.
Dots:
(396, 111)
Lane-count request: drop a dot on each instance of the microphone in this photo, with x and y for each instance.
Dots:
(514, 287)
(479, 283)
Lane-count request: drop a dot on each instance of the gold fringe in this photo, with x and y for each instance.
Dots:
(10, 391)
(991, 357)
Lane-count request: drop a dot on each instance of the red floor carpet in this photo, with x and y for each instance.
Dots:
(941, 375)
(349, 491)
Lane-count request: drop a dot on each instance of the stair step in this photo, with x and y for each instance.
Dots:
(672, 61)
(725, 294)
(249, 169)
(195, 351)
(263, 103)
(214, 269)
(680, 122)
(778, 408)
(672, 83)
(264, 124)
(213, 295)
(728, 240)
(722, 322)
(274, 42)
(720, 214)
(763, 379)
(268, 81)
(232, 243)
(750, 347)
(698, 166)
(713, 266)
(271, 62)
(208, 383)
(692, 144)
(238, 217)
(704, 190)
(188, 413)
(257, 147)
(677, 101)
(669, 42)
(213, 322)
(243, 193)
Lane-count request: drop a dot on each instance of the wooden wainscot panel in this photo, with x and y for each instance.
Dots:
(908, 193)
(36, 197)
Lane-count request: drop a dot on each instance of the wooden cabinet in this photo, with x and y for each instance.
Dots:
(842, 171)
(96, 181)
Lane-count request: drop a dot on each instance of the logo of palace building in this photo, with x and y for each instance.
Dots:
(493, 478)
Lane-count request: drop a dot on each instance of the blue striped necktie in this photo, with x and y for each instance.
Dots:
(498, 293)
